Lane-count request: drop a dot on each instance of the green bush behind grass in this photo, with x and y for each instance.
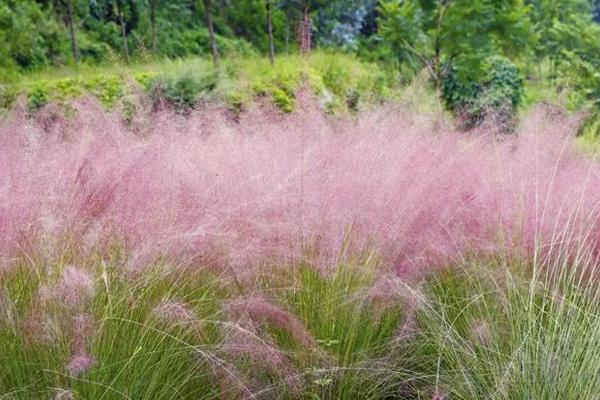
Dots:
(341, 83)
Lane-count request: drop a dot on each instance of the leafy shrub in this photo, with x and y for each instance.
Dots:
(336, 77)
(282, 99)
(28, 37)
(144, 79)
(349, 80)
(182, 89)
(67, 88)
(37, 97)
(108, 89)
(498, 94)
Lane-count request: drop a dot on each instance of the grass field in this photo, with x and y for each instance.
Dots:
(290, 248)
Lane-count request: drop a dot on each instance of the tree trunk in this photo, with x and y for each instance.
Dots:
(211, 32)
(270, 30)
(70, 24)
(123, 30)
(305, 32)
(153, 21)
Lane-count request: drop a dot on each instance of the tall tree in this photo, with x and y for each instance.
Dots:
(270, 31)
(66, 12)
(211, 32)
(120, 12)
(559, 28)
(460, 33)
(70, 24)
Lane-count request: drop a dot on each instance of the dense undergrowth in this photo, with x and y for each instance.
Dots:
(342, 82)
(264, 255)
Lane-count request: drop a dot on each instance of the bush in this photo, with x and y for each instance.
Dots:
(67, 88)
(182, 89)
(37, 98)
(108, 89)
(497, 95)
(282, 99)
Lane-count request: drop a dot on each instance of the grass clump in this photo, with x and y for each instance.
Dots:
(97, 334)
(165, 332)
(493, 333)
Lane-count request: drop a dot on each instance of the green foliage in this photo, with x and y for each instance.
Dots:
(471, 331)
(463, 32)
(247, 20)
(8, 95)
(282, 99)
(144, 78)
(107, 89)
(492, 332)
(184, 88)
(498, 93)
(559, 28)
(28, 37)
(37, 97)
(197, 42)
(66, 88)
(340, 82)
(134, 351)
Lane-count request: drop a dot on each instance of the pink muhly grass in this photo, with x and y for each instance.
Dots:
(79, 363)
(244, 341)
(267, 188)
(177, 313)
(82, 329)
(74, 289)
(260, 311)
(39, 326)
(480, 331)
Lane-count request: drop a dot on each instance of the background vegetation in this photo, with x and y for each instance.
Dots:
(483, 58)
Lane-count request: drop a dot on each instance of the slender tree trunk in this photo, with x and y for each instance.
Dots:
(70, 24)
(270, 30)
(211, 32)
(305, 32)
(153, 21)
(123, 30)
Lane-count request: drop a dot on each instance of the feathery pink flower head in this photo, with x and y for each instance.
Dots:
(74, 288)
(175, 312)
(79, 363)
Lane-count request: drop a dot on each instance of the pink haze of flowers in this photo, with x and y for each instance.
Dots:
(206, 189)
